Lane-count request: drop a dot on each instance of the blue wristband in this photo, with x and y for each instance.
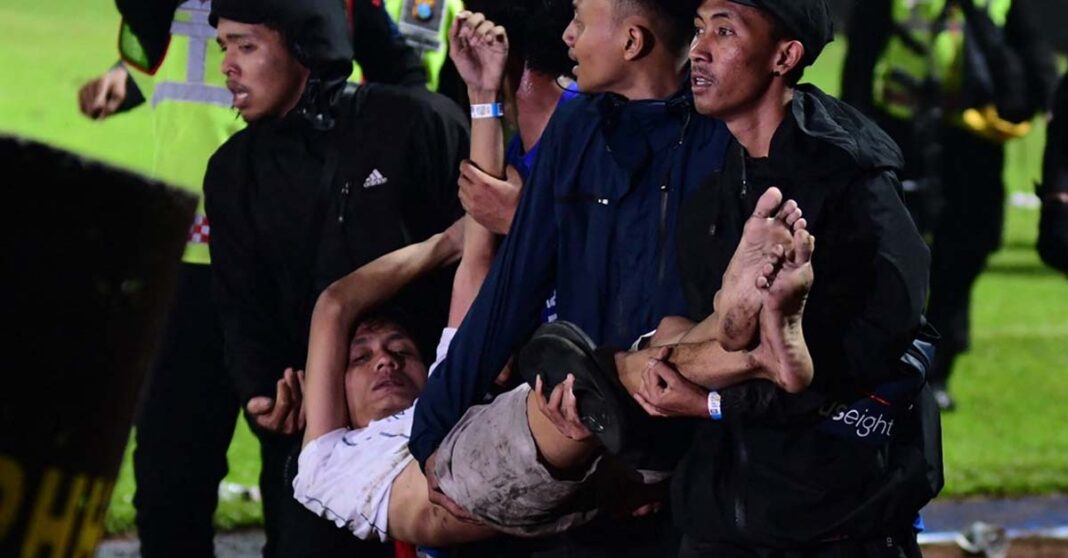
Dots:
(715, 408)
(487, 110)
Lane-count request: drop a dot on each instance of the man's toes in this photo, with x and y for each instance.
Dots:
(775, 252)
(793, 217)
(786, 210)
(804, 244)
(767, 273)
(767, 204)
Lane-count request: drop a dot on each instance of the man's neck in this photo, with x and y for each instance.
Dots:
(755, 126)
(652, 78)
(536, 98)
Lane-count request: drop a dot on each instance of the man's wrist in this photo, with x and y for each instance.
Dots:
(482, 96)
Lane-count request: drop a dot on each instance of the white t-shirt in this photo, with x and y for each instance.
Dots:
(346, 475)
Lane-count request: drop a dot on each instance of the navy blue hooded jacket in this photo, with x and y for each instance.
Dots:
(596, 220)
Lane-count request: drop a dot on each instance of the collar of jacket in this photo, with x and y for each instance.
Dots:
(822, 138)
(318, 110)
(635, 130)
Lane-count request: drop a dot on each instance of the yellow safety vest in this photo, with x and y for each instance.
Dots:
(941, 31)
(424, 24)
(191, 108)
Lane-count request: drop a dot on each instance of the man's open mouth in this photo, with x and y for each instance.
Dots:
(240, 94)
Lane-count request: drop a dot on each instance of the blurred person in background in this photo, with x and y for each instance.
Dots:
(951, 81)
(1053, 224)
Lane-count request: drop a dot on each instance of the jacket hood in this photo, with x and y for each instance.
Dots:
(823, 137)
(316, 30)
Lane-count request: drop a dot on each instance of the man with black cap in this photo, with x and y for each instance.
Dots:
(838, 469)
(326, 177)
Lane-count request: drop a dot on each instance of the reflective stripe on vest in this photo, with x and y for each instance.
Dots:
(191, 22)
(191, 111)
(902, 74)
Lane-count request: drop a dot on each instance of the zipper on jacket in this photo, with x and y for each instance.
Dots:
(662, 230)
(344, 201)
(745, 177)
(665, 193)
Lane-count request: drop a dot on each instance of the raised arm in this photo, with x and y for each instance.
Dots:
(338, 308)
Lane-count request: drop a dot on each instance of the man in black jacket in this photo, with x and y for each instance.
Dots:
(169, 49)
(838, 469)
(325, 178)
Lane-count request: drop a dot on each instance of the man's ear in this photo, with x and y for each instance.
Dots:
(788, 57)
(640, 41)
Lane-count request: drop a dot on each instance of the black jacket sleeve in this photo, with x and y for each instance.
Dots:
(868, 32)
(245, 296)
(441, 139)
(380, 49)
(891, 316)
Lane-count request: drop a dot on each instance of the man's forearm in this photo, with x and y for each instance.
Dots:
(487, 153)
(377, 282)
(487, 135)
(324, 386)
(706, 364)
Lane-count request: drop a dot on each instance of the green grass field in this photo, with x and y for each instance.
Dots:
(1006, 438)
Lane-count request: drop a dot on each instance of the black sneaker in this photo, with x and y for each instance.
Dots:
(561, 348)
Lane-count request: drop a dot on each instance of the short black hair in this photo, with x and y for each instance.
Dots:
(673, 17)
(394, 316)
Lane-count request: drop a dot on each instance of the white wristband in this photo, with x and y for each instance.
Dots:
(487, 110)
(715, 409)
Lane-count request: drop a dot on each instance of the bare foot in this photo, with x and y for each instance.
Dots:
(766, 239)
(782, 341)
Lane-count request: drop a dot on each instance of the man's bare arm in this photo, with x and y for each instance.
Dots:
(338, 308)
(414, 519)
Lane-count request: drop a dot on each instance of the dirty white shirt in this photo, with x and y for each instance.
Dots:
(346, 475)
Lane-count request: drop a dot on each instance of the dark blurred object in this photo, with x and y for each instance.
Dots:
(1053, 224)
(89, 257)
(535, 31)
(1051, 15)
